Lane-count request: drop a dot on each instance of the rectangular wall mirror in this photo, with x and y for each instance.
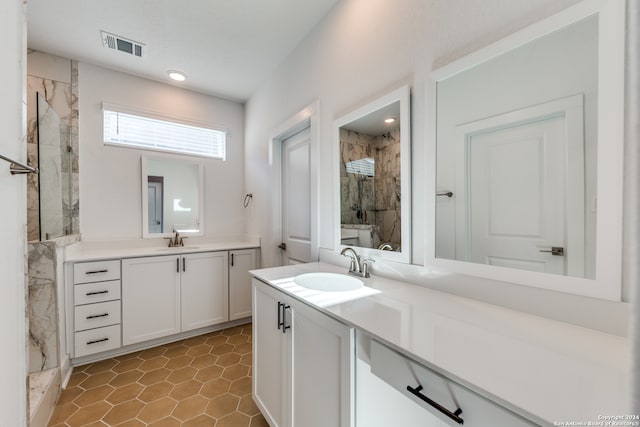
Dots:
(172, 197)
(373, 146)
(521, 165)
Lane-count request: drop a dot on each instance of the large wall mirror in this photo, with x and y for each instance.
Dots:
(528, 155)
(373, 146)
(172, 197)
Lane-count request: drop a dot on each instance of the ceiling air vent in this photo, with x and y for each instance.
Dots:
(111, 41)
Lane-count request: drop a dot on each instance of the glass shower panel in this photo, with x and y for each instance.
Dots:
(55, 172)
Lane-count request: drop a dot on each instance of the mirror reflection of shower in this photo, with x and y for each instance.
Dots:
(370, 189)
(362, 172)
(54, 180)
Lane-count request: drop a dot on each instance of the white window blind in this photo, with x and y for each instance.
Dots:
(125, 129)
(366, 166)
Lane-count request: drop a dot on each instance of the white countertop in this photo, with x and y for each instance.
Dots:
(548, 371)
(100, 250)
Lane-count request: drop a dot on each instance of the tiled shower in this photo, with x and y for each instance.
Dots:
(52, 223)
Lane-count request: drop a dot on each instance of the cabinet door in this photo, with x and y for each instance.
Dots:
(150, 298)
(322, 362)
(269, 356)
(204, 289)
(240, 283)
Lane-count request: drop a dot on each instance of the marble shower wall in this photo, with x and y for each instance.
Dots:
(62, 96)
(42, 306)
(372, 200)
(56, 80)
(357, 196)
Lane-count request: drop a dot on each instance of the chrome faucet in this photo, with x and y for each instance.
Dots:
(385, 247)
(358, 266)
(354, 267)
(176, 240)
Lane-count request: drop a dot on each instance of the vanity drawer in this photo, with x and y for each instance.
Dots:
(401, 372)
(96, 271)
(96, 340)
(96, 315)
(90, 293)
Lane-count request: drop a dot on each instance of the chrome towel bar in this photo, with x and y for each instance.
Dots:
(17, 167)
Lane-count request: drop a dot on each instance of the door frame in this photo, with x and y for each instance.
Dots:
(305, 118)
(157, 180)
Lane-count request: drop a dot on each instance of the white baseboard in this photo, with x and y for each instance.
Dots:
(65, 370)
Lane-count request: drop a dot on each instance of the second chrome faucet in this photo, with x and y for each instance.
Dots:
(176, 240)
(358, 266)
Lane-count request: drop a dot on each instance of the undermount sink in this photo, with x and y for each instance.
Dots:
(174, 248)
(328, 282)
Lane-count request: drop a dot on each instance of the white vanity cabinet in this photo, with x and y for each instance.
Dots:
(441, 401)
(96, 307)
(240, 262)
(150, 298)
(204, 290)
(302, 363)
(166, 295)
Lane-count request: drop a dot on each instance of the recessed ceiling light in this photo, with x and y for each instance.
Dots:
(178, 76)
(390, 120)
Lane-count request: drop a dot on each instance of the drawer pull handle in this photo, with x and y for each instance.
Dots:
(284, 318)
(97, 271)
(97, 341)
(279, 314)
(453, 415)
(97, 293)
(93, 316)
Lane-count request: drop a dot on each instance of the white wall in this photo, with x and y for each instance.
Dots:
(359, 51)
(362, 49)
(110, 189)
(13, 193)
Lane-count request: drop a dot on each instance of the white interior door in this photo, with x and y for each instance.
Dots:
(524, 194)
(296, 198)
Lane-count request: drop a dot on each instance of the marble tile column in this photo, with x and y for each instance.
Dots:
(42, 308)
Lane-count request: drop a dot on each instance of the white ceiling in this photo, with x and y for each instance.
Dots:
(373, 123)
(227, 48)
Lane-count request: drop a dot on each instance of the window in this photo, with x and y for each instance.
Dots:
(366, 166)
(131, 130)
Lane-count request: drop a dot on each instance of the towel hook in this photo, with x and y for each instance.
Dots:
(247, 199)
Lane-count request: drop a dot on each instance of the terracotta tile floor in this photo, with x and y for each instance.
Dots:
(202, 381)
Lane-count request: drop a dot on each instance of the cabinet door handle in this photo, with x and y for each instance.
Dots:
(178, 265)
(96, 293)
(96, 272)
(453, 415)
(279, 314)
(184, 264)
(97, 341)
(284, 318)
(95, 316)
(231, 260)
